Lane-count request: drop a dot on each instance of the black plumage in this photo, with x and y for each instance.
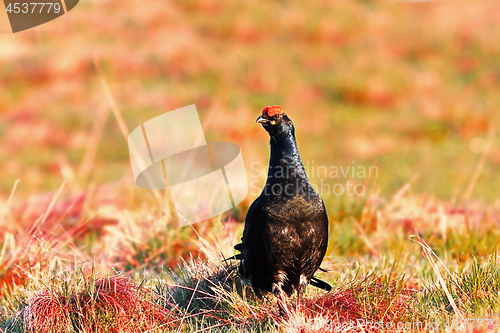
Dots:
(286, 227)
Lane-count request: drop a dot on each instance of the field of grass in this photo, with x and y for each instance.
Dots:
(407, 88)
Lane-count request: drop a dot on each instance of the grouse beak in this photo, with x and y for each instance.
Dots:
(262, 120)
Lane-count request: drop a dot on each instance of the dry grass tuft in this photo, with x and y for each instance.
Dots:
(107, 304)
(356, 305)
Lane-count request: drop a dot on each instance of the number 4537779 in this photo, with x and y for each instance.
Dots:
(33, 7)
(471, 323)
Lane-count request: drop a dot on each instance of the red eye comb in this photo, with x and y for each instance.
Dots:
(272, 110)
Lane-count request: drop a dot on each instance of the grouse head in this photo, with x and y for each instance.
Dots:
(275, 121)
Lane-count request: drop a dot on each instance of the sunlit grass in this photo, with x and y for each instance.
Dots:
(123, 273)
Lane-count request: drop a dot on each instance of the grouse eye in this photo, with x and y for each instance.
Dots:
(276, 116)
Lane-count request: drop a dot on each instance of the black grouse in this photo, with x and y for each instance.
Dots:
(286, 227)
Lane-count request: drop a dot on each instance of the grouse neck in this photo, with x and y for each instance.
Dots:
(285, 158)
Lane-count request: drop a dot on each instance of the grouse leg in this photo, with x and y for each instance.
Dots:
(300, 291)
(281, 300)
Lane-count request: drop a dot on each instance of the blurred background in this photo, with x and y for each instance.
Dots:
(409, 87)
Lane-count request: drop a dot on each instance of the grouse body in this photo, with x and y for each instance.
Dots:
(286, 227)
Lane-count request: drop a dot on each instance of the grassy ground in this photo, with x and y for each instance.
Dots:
(86, 265)
(406, 87)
